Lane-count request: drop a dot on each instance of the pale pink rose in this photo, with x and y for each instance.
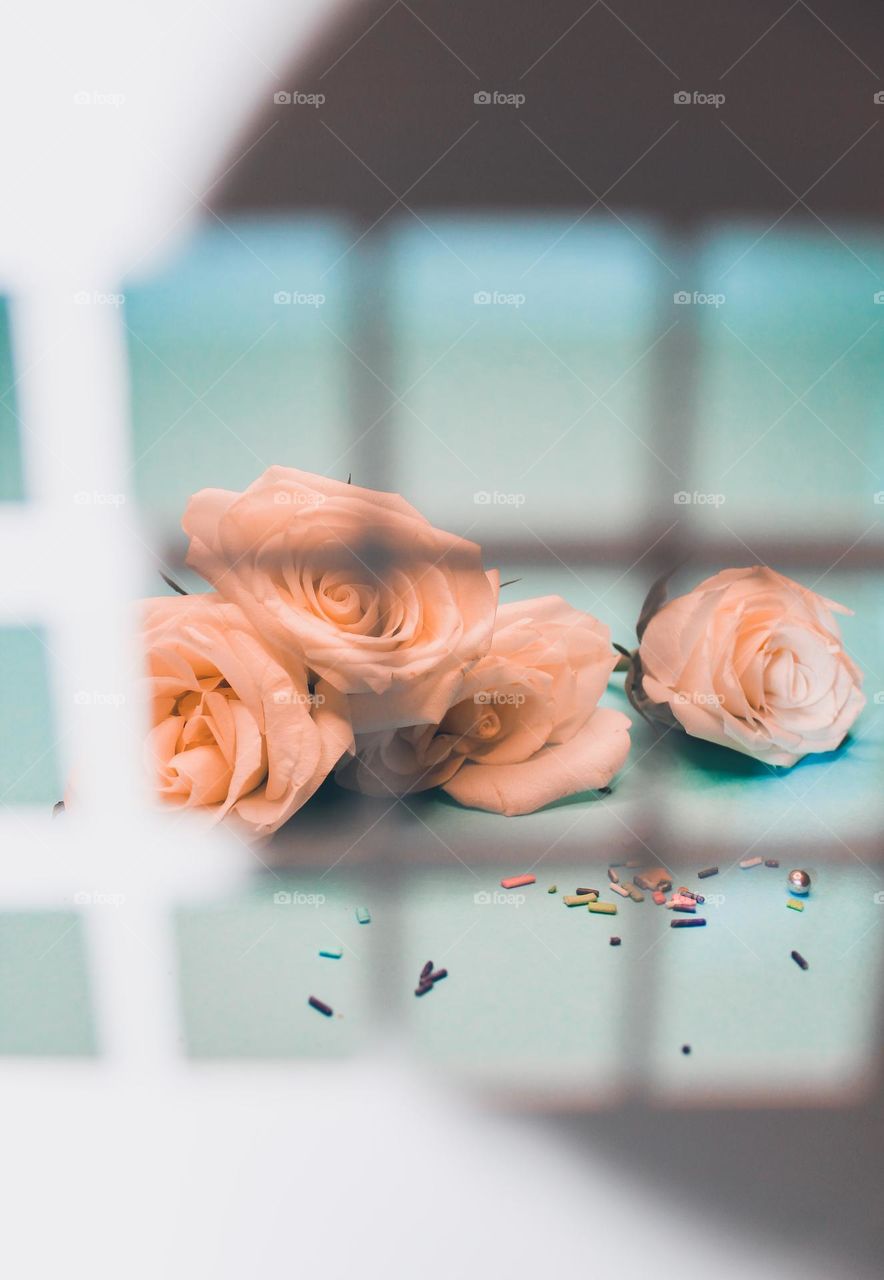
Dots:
(352, 582)
(754, 661)
(525, 728)
(234, 735)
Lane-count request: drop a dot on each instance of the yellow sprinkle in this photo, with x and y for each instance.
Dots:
(795, 904)
(603, 908)
(553, 888)
(577, 899)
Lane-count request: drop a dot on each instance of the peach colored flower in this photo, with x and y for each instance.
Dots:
(352, 582)
(233, 733)
(751, 660)
(525, 727)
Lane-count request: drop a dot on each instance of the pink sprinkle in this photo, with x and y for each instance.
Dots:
(516, 882)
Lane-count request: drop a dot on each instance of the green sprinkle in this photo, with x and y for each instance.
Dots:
(794, 904)
(363, 915)
(331, 953)
(553, 888)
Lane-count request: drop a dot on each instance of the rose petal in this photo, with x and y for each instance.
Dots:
(589, 760)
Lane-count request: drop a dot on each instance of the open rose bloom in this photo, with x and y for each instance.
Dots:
(753, 661)
(524, 728)
(234, 735)
(354, 584)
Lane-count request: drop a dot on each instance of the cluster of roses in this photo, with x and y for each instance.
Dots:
(345, 633)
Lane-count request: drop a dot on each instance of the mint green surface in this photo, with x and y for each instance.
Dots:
(11, 479)
(226, 382)
(498, 399)
(799, 320)
(44, 989)
(248, 968)
(29, 767)
(537, 999)
(506, 398)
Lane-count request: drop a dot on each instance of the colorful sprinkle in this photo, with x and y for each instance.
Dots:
(794, 905)
(751, 862)
(799, 960)
(516, 882)
(320, 1006)
(697, 923)
(331, 953)
(709, 871)
(363, 915)
(603, 908)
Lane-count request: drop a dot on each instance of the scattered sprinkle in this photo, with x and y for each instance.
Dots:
(603, 908)
(794, 904)
(426, 971)
(658, 897)
(799, 882)
(799, 960)
(696, 923)
(578, 899)
(363, 915)
(771, 862)
(684, 908)
(331, 953)
(320, 1006)
(634, 892)
(709, 871)
(422, 988)
(613, 876)
(746, 863)
(516, 882)
(614, 941)
(685, 1048)
(595, 891)
(553, 888)
(438, 974)
(618, 888)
